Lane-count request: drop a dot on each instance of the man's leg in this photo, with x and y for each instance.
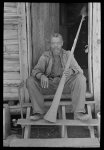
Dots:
(79, 93)
(36, 93)
(36, 97)
(77, 86)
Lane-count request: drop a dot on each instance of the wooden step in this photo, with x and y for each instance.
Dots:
(67, 122)
(56, 142)
(66, 96)
(48, 103)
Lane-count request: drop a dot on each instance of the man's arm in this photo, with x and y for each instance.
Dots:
(75, 66)
(39, 69)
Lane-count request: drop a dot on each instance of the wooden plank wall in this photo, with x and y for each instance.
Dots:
(17, 41)
(14, 44)
(11, 74)
(45, 20)
(97, 53)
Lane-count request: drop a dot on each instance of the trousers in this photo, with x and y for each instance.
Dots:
(74, 85)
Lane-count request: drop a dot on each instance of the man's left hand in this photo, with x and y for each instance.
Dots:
(68, 72)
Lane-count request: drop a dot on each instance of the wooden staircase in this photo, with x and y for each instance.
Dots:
(63, 122)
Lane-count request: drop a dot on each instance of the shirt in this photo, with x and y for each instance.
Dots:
(57, 68)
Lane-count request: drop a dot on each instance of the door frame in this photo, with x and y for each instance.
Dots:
(90, 53)
(90, 82)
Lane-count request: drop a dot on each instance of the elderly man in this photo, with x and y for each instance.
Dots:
(46, 75)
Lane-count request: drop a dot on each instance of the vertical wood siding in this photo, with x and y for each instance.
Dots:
(45, 20)
(90, 47)
(97, 53)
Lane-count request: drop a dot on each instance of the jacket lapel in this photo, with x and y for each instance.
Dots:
(63, 57)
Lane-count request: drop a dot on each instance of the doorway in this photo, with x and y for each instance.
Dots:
(69, 20)
(64, 18)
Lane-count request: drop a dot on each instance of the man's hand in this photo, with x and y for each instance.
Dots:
(68, 72)
(44, 81)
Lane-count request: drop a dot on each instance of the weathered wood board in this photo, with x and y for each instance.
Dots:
(45, 20)
(15, 49)
(10, 34)
(56, 142)
(96, 45)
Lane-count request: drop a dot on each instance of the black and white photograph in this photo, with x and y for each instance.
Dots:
(51, 74)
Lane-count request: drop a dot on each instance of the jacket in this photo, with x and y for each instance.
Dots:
(45, 62)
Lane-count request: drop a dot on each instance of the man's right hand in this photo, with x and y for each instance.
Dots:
(44, 81)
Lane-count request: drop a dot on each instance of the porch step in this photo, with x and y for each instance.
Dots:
(48, 103)
(66, 96)
(67, 122)
(56, 142)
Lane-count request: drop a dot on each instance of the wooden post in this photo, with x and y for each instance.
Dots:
(29, 42)
(98, 128)
(90, 128)
(90, 47)
(27, 127)
(6, 121)
(96, 53)
(23, 47)
(64, 128)
(20, 51)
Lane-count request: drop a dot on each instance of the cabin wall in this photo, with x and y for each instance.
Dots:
(11, 64)
(23, 44)
(14, 50)
(20, 21)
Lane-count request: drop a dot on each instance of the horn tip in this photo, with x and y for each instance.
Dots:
(49, 120)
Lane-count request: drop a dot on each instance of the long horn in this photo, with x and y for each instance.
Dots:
(52, 112)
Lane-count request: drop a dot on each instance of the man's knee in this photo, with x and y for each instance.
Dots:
(81, 79)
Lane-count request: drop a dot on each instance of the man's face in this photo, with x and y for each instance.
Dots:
(56, 44)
